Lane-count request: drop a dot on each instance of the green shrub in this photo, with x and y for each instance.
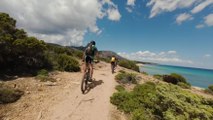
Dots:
(145, 73)
(141, 114)
(210, 88)
(178, 77)
(162, 102)
(159, 77)
(175, 79)
(120, 88)
(184, 85)
(44, 78)
(122, 71)
(78, 54)
(126, 78)
(129, 65)
(107, 60)
(9, 95)
(43, 72)
(67, 63)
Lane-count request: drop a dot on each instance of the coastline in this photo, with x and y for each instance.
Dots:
(140, 65)
(198, 88)
(193, 87)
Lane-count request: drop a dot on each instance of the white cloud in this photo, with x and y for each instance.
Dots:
(172, 52)
(160, 6)
(183, 17)
(169, 57)
(200, 26)
(201, 6)
(131, 2)
(60, 21)
(113, 14)
(72, 37)
(129, 9)
(207, 56)
(209, 20)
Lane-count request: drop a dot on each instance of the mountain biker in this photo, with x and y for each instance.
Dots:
(89, 54)
(113, 62)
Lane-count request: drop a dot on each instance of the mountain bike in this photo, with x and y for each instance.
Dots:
(85, 79)
(113, 67)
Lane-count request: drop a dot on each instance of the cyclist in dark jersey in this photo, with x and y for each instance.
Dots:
(89, 54)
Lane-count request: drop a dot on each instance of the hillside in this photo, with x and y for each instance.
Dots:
(102, 54)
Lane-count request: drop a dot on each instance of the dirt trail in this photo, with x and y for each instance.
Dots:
(63, 100)
(94, 105)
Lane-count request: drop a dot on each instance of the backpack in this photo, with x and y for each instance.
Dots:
(89, 50)
(113, 59)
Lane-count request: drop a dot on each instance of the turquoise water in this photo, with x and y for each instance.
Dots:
(196, 76)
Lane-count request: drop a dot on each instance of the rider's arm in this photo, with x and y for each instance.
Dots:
(96, 54)
(83, 57)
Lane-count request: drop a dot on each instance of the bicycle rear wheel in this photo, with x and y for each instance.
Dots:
(84, 82)
(113, 67)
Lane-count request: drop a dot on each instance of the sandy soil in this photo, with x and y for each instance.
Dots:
(63, 100)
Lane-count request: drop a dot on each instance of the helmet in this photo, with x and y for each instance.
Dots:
(92, 42)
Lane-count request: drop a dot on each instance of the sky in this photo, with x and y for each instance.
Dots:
(172, 32)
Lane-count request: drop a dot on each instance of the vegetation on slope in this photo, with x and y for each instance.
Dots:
(162, 101)
(129, 65)
(21, 54)
(175, 79)
(125, 77)
(209, 89)
(8, 95)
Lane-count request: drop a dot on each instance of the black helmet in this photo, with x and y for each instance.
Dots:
(92, 42)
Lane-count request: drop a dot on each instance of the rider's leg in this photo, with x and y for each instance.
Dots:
(91, 70)
(85, 65)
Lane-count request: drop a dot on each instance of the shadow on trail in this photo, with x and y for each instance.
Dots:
(93, 84)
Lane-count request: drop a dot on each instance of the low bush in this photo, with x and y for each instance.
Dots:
(162, 102)
(184, 85)
(176, 79)
(107, 60)
(78, 54)
(43, 72)
(9, 95)
(145, 73)
(209, 89)
(129, 65)
(44, 78)
(126, 78)
(67, 63)
(159, 77)
(120, 88)
(122, 71)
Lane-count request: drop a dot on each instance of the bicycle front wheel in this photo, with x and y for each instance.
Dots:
(84, 83)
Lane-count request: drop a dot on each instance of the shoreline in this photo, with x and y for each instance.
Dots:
(195, 87)
(198, 88)
(140, 64)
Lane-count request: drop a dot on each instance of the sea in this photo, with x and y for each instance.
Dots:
(195, 76)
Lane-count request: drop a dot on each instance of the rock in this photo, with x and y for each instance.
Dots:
(48, 83)
(14, 85)
(16, 77)
(58, 79)
(28, 92)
